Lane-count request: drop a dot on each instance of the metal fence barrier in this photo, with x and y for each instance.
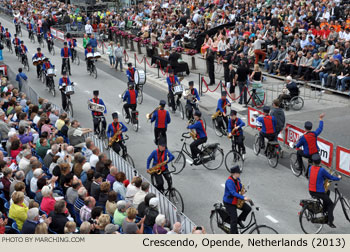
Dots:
(165, 206)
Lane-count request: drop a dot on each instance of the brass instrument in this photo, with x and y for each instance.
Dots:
(240, 202)
(233, 133)
(218, 113)
(149, 116)
(95, 107)
(157, 168)
(193, 132)
(114, 138)
(188, 96)
(326, 182)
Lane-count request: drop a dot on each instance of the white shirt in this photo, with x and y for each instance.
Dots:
(88, 28)
(222, 46)
(93, 160)
(139, 198)
(33, 185)
(24, 165)
(131, 190)
(36, 119)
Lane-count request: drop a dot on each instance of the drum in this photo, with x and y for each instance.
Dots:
(90, 55)
(97, 55)
(178, 89)
(69, 90)
(35, 62)
(140, 77)
(50, 72)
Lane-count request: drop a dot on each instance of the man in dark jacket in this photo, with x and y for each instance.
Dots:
(210, 66)
(59, 218)
(33, 220)
(278, 113)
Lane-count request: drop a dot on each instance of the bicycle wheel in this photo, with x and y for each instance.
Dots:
(53, 50)
(181, 110)
(70, 108)
(256, 145)
(294, 166)
(140, 95)
(52, 88)
(233, 158)
(104, 140)
(179, 162)
(215, 221)
(263, 229)
(129, 160)
(175, 197)
(217, 130)
(32, 39)
(346, 207)
(42, 44)
(272, 157)
(43, 77)
(297, 103)
(135, 125)
(26, 65)
(306, 225)
(10, 49)
(127, 120)
(94, 71)
(214, 159)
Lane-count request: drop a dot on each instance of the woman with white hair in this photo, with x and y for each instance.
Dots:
(158, 227)
(48, 202)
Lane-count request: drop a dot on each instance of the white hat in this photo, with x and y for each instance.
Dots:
(154, 202)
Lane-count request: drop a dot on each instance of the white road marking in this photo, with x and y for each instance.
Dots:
(271, 218)
(223, 185)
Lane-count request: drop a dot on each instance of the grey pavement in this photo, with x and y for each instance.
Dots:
(275, 190)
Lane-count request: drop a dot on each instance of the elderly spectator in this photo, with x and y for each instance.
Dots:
(120, 212)
(141, 194)
(129, 226)
(87, 150)
(4, 126)
(19, 177)
(85, 228)
(176, 228)
(54, 115)
(103, 196)
(133, 188)
(37, 174)
(21, 187)
(48, 201)
(6, 182)
(50, 154)
(151, 212)
(76, 134)
(118, 185)
(58, 216)
(33, 219)
(111, 204)
(79, 201)
(95, 186)
(85, 211)
(18, 210)
(72, 192)
(94, 158)
(111, 176)
(158, 227)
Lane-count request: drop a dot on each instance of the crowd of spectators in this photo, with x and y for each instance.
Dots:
(53, 179)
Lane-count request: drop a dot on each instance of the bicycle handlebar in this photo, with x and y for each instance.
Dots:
(186, 135)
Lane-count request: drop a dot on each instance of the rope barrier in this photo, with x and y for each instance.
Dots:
(126, 55)
(148, 63)
(140, 62)
(161, 70)
(228, 94)
(206, 85)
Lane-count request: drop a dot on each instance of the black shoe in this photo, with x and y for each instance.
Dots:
(331, 225)
(127, 117)
(243, 152)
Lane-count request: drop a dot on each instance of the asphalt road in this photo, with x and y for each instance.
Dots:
(275, 190)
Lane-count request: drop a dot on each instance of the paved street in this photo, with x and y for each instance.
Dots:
(276, 190)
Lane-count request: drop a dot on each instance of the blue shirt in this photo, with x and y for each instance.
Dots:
(239, 123)
(316, 179)
(23, 49)
(69, 52)
(110, 130)
(231, 191)
(155, 118)
(220, 105)
(267, 128)
(127, 96)
(194, 92)
(61, 81)
(175, 82)
(21, 76)
(302, 141)
(14, 41)
(130, 75)
(36, 56)
(154, 156)
(199, 127)
(93, 42)
(100, 101)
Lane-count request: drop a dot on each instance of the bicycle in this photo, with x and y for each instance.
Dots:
(220, 222)
(50, 83)
(92, 69)
(19, 29)
(139, 89)
(31, 36)
(294, 165)
(313, 214)
(125, 154)
(172, 194)
(178, 104)
(102, 132)
(50, 47)
(65, 65)
(9, 46)
(208, 155)
(25, 62)
(75, 57)
(69, 108)
(234, 156)
(40, 40)
(218, 124)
